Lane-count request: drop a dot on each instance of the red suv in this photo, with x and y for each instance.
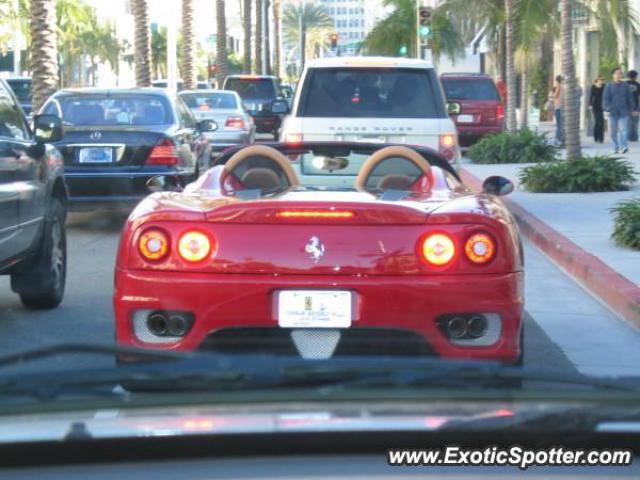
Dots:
(481, 106)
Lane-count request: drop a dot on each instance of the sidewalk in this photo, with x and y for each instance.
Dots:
(574, 230)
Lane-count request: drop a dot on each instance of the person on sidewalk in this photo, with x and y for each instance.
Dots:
(617, 100)
(633, 118)
(557, 94)
(502, 87)
(595, 104)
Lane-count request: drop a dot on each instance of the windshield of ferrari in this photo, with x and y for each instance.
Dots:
(318, 200)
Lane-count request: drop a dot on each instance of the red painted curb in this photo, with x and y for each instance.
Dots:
(616, 291)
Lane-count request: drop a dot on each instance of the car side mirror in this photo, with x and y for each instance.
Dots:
(165, 183)
(497, 185)
(454, 108)
(279, 106)
(207, 126)
(47, 128)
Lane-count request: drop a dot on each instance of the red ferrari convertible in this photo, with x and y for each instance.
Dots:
(323, 249)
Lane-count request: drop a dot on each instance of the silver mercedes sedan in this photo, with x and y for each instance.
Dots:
(224, 107)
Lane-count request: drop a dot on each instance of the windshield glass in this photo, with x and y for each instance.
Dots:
(369, 92)
(252, 88)
(22, 89)
(119, 109)
(359, 206)
(462, 89)
(210, 101)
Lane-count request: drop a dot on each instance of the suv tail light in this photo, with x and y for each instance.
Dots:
(163, 153)
(447, 145)
(500, 111)
(235, 122)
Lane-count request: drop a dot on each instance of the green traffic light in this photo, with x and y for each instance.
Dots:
(403, 50)
(425, 31)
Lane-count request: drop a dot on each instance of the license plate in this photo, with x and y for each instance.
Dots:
(314, 309)
(96, 155)
(465, 118)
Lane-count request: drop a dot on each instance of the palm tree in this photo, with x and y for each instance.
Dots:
(317, 25)
(142, 43)
(277, 5)
(44, 51)
(267, 44)
(398, 30)
(570, 106)
(221, 44)
(259, 38)
(510, 70)
(188, 70)
(246, 28)
(618, 23)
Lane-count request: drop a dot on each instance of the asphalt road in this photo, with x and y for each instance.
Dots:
(86, 312)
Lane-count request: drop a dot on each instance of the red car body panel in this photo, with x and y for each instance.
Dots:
(375, 254)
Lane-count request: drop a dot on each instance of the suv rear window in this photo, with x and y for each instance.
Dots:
(470, 89)
(252, 88)
(371, 92)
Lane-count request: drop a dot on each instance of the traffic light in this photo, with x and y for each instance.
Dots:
(334, 40)
(213, 68)
(424, 29)
(403, 51)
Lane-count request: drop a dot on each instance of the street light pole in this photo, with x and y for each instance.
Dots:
(16, 39)
(301, 27)
(172, 59)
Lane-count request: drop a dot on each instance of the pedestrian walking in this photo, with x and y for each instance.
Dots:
(618, 102)
(595, 105)
(632, 77)
(556, 95)
(502, 87)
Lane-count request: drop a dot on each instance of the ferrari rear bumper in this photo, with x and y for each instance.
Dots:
(227, 305)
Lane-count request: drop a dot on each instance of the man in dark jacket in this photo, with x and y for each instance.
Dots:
(618, 103)
(633, 118)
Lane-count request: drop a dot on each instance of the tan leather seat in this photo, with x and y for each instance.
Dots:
(392, 152)
(395, 182)
(278, 158)
(263, 179)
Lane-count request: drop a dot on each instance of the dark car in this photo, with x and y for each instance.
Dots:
(481, 108)
(117, 139)
(262, 98)
(21, 86)
(33, 200)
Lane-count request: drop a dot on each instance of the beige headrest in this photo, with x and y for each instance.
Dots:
(391, 152)
(267, 152)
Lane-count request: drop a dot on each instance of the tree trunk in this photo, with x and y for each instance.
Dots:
(141, 43)
(246, 21)
(267, 42)
(44, 51)
(221, 44)
(259, 38)
(500, 52)
(570, 105)
(189, 74)
(511, 69)
(276, 37)
(524, 99)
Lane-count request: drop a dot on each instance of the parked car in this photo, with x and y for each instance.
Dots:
(262, 98)
(372, 99)
(481, 109)
(163, 84)
(33, 205)
(21, 86)
(119, 138)
(224, 107)
(318, 249)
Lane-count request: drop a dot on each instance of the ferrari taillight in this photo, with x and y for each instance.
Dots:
(163, 153)
(315, 214)
(153, 244)
(195, 246)
(438, 249)
(480, 248)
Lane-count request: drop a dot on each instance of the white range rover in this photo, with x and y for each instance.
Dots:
(372, 99)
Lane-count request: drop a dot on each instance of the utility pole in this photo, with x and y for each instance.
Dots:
(16, 39)
(301, 28)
